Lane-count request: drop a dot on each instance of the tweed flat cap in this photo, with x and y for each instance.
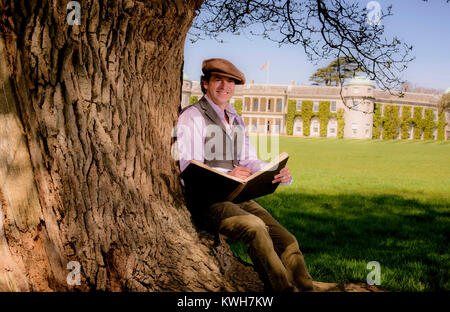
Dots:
(222, 67)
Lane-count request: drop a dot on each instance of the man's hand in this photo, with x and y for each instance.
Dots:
(283, 177)
(240, 172)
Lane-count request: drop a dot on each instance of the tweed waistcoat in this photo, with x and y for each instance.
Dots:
(217, 138)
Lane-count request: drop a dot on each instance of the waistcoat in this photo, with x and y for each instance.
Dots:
(230, 144)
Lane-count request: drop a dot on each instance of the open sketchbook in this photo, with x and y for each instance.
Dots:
(206, 183)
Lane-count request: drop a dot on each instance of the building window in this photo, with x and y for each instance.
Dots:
(333, 106)
(255, 105)
(254, 125)
(316, 106)
(269, 104)
(278, 126)
(247, 104)
(434, 115)
(332, 125)
(355, 104)
(369, 90)
(299, 106)
(354, 128)
(355, 90)
(315, 127)
(279, 105)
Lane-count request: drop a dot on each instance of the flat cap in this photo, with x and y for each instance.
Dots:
(224, 68)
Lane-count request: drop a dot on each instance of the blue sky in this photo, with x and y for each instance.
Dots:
(425, 25)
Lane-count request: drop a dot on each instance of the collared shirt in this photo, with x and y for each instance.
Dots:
(191, 134)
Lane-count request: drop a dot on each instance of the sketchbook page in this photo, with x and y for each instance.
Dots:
(273, 165)
(261, 184)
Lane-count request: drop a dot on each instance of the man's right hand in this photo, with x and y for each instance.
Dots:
(241, 172)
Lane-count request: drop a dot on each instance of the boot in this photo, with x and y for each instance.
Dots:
(294, 262)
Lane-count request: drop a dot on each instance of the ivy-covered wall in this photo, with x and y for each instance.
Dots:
(193, 99)
(386, 120)
(377, 121)
(341, 123)
(391, 122)
(405, 121)
(290, 116)
(441, 126)
(307, 114)
(238, 106)
(417, 121)
(428, 124)
(324, 116)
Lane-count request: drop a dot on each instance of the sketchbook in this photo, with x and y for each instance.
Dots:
(205, 183)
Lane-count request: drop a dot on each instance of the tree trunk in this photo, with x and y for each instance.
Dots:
(86, 175)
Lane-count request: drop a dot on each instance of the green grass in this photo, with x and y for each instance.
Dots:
(356, 201)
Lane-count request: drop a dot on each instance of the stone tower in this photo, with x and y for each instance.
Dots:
(359, 97)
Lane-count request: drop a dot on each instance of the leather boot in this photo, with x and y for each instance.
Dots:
(253, 232)
(294, 262)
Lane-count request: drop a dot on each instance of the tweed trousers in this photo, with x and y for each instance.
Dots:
(218, 212)
(273, 250)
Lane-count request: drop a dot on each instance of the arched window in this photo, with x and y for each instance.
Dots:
(332, 127)
(298, 126)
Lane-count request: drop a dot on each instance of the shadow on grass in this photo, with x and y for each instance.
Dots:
(340, 234)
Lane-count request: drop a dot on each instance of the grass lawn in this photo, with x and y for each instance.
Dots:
(356, 201)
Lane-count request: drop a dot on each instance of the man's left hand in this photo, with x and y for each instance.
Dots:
(283, 177)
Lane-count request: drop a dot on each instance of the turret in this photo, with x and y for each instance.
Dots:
(359, 98)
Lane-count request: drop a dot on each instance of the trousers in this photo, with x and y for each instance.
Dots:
(273, 249)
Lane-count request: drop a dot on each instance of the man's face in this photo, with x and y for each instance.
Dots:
(219, 89)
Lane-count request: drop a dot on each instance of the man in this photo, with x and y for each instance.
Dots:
(273, 250)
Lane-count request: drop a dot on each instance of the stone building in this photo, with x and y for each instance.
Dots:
(280, 109)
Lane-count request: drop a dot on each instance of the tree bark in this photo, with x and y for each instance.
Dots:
(86, 175)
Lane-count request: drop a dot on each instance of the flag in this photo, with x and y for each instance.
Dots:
(265, 66)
